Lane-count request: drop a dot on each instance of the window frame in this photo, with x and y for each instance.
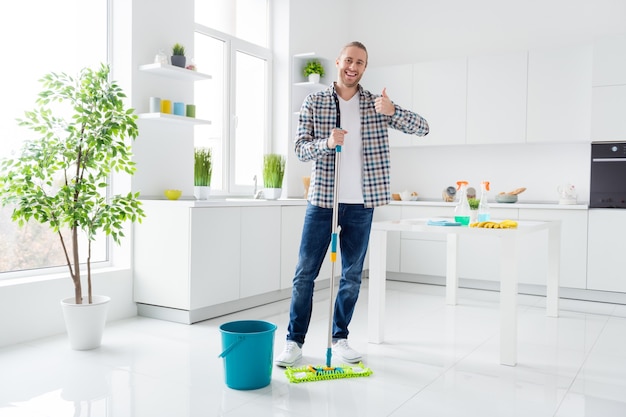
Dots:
(232, 45)
(114, 255)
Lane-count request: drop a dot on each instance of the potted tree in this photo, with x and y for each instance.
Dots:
(60, 178)
(273, 173)
(202, 170)
(313, 70)
(178, 55)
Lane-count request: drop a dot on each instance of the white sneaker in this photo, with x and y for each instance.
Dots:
(290, 355)
(342, 349)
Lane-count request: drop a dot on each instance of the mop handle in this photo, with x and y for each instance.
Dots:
(333, 256)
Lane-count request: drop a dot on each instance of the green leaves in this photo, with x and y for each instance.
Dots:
(273, 170)
(202, 168)
(60, 177)
(313, 67)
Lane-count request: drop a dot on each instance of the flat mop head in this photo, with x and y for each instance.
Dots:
(321, 373)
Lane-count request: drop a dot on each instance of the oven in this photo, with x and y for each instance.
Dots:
(608, 175)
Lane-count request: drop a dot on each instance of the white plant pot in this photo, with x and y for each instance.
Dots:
(272, 193)
(314, 78)
(201, 192)
(85, 322)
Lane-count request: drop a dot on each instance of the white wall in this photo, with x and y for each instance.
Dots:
(32, 309)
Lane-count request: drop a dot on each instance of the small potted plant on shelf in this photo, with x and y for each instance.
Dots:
(313, 70)
(202, 170)
(178, 55)
(273, 173)
(61, 176)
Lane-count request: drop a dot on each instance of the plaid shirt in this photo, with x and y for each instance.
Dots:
(316, 121)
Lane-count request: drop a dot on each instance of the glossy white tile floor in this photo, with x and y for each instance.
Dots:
(437, 360)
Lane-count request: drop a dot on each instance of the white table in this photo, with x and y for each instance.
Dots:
(508, 275)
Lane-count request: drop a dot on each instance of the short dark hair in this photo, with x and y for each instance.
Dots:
(358, 45)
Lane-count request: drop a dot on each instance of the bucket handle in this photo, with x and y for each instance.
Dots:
(231, 347)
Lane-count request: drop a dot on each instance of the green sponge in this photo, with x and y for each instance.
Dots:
(320, 373)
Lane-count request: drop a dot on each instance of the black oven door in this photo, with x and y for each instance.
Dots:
(608, 175)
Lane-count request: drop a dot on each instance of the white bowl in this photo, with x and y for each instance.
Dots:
(408, 196)
(506, 198)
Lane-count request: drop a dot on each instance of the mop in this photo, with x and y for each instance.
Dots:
(319, 373)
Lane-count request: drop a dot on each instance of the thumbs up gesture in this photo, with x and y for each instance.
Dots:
(384, 105)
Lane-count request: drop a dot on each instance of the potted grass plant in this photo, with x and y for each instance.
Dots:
(178, 55)
(313, 70)
(273, 174)
(202, 171)
(61, 178)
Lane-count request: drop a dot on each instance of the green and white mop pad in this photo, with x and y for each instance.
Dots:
(320, 373)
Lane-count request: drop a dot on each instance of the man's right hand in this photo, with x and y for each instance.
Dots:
(337, 137)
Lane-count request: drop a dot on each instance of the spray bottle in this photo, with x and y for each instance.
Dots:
(483, 206)
(462, 210)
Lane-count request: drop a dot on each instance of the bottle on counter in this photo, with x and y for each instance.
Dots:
(483, 207)
(462, 209)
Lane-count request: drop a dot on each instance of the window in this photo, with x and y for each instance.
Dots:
(42, 36)
(230, 44)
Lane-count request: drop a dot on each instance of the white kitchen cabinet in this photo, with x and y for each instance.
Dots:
(609, 89)
(214, 256)
(389, 212)
(608, 122)
(423, 253)
(189, 259)
(440, 96)
(292, 220)
(398, 81)
(605, 264)
(260, 250)
(609, 60)
(573, 248)
(559, 94)
(496, 98)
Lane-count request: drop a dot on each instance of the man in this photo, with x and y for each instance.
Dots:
(347, 115)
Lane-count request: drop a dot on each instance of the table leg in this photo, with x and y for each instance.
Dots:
(377, 284)
(508, 301)
(452, 272)
(554, 269)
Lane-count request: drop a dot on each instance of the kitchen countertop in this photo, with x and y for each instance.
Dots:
(518, 205)
(246, 202)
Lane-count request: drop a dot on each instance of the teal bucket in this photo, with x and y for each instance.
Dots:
(248, 352)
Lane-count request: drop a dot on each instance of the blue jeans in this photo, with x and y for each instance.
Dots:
(355, 221)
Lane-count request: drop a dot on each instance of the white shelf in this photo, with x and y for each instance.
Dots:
(173, 118)
(312, 86)
(174, 72)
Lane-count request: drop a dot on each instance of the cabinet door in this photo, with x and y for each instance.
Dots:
(214, 255)
(559, 94)
(423, 253)
(398, 80)
(605, 267)
(609, 60)
(439, 95)
(496, 98)
(292, 221)
(533, 249)
(161, 256)
(608, 122)
(260, 250)
(383, 213)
